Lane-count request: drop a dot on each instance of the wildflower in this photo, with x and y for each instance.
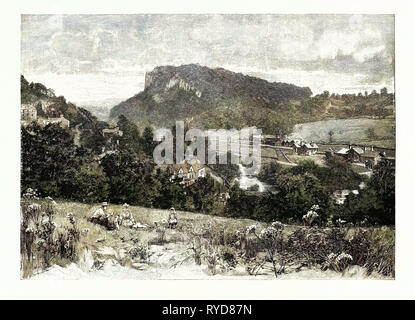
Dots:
(268, 233)
(71, 217)
(45, 220)
(277, 225)
(34, 207)
(344, 256)
(251, 229)
(331, 256)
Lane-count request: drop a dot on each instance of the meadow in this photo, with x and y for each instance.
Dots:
(205, 247)
(371, 132)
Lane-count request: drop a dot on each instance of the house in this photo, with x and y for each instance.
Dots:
(295, 144)
(269, 139)
(372, 158)
(188, 173)
(61, 121)
(308, 149)
(352, 154)
(28, 113)
(112, 132)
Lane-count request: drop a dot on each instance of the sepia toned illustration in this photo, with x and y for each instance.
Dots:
(207, 146)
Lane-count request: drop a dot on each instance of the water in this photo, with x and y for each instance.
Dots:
(246, 182)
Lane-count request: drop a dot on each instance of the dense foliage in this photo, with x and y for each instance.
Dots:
(55, 166)
(297, 189)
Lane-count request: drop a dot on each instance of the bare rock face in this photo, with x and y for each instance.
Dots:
(178, 93)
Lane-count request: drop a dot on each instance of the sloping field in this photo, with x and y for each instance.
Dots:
(105, 254)
(377, 132)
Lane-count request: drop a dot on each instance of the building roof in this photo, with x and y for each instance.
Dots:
(113, 130)
(357, 149)
(311, 146)
(344, 151)
(186, 166)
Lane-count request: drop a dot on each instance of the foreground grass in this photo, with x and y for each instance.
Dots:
(222, 231)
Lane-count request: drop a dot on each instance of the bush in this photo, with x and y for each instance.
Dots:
(43, 243)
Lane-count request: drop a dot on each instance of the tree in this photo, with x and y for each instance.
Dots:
(205, 193)
(131, 139)
(331, 133)
(91, 184)
(371, 134)
(147, 141)
(130, 178)
(376, 203)
(93, 140)
(296, 194)
(50, 160)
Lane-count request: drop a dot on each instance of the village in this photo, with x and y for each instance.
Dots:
(362, 158)
(287, 152)
(47, 113)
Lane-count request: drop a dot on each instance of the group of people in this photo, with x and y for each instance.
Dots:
(111, 221)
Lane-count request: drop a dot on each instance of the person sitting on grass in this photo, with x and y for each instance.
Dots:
(100, 212)
(172, 219)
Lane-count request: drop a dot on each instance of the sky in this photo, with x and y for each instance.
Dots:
(102, 59)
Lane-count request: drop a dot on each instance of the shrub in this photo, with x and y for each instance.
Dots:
(42, 241)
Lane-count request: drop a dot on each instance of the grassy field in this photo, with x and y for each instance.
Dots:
(377, 132)
(171, 254)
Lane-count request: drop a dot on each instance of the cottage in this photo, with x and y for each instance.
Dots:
(112, 131)
(189, 173)
(28, 113)
(295, 144)
(351, 154)
(269, 139)
(308, 149)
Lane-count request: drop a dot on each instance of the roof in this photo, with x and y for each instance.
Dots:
(113, 130)
(357, 149)
(186, 166)
(343, 151)
(311, 146)
(371, 154)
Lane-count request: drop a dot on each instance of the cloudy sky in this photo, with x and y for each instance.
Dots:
(103, 58)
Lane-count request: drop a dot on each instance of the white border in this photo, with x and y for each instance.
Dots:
(10, 285)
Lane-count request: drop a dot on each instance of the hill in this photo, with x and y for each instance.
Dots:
(207, 97)
(49, 105)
